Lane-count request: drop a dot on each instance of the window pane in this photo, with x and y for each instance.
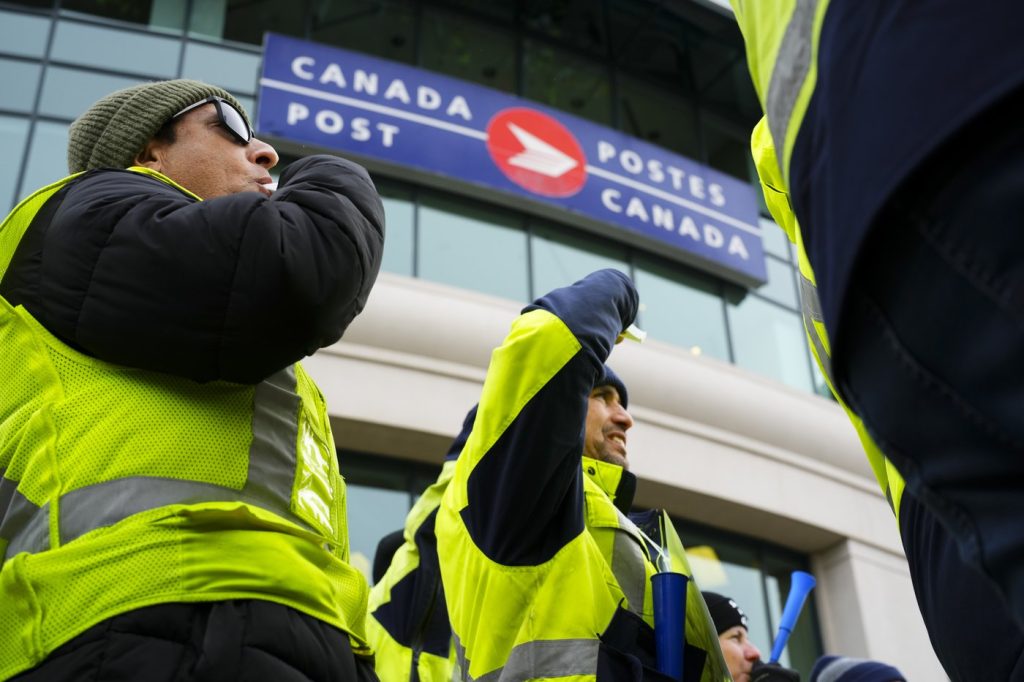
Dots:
(579, 22)
(730, 568)
(472, 248)
(774, 237)
(107, 48)
(770, 341)
(372, 514)
(230, 69)
(470, 50)
(246, 20)
(385, 28)
(559, 259)
(727, 148)
(22, 34)
(20, 81)
(13, 133)
(781, 284)
(682, 309)
(651, 41)
(721, 73)
(567, 82)
(757, 576)
(650, 113)
(69, 92)
(48, 156)
(166, 14)
(398, 241)
(207, 18)
(499, 9)
(43, 4)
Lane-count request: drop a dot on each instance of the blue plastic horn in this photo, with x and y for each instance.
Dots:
(800, 586)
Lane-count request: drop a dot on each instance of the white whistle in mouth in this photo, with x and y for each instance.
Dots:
(272, 186)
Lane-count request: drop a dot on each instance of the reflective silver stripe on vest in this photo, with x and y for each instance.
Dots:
(540, 659)
(7, 489)
(25, 525)
(792, 65)
(272, 462)
(275, 433)
(810, 308)
(628, 563)
(460, 671)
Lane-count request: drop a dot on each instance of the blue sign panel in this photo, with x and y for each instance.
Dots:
(348, 101)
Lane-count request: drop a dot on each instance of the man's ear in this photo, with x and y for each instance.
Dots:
(151, 155)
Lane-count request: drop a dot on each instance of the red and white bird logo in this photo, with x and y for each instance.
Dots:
(536, 152)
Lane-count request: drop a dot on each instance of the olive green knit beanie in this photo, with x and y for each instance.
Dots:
(116, 128)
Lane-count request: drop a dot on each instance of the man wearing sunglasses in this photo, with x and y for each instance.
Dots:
(170, 502)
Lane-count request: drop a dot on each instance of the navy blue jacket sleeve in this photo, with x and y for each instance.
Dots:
(596, 309)
(526, 493)
(134, 271)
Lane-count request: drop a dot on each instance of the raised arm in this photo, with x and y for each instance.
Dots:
(134, 271)
(524, 496)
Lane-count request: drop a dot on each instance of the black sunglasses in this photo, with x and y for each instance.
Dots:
(228, 116)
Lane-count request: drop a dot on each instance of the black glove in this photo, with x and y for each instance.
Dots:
(772, 672)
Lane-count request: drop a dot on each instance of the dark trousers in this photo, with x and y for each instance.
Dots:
(969, 623)
(931, 356)
(206, 642)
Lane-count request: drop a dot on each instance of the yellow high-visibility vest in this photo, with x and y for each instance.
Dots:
(777, 198)
(122, 488)
(545, 621)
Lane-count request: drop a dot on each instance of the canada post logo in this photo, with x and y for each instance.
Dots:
(337, 99)
(536, 152)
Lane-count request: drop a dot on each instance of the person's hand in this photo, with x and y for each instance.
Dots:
(772, 672)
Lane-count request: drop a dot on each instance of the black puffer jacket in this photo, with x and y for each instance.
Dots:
(130, 270)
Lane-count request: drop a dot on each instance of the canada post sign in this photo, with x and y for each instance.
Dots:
(348, 101)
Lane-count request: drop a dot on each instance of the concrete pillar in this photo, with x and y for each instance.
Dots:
(867, 609)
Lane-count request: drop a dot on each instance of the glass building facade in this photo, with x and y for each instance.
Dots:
(670, 73)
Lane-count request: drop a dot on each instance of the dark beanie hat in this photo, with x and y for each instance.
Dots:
(725, 612)
(840, 669)
(610, 378)
(455, 449)
(386, 549)
(116, 128)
